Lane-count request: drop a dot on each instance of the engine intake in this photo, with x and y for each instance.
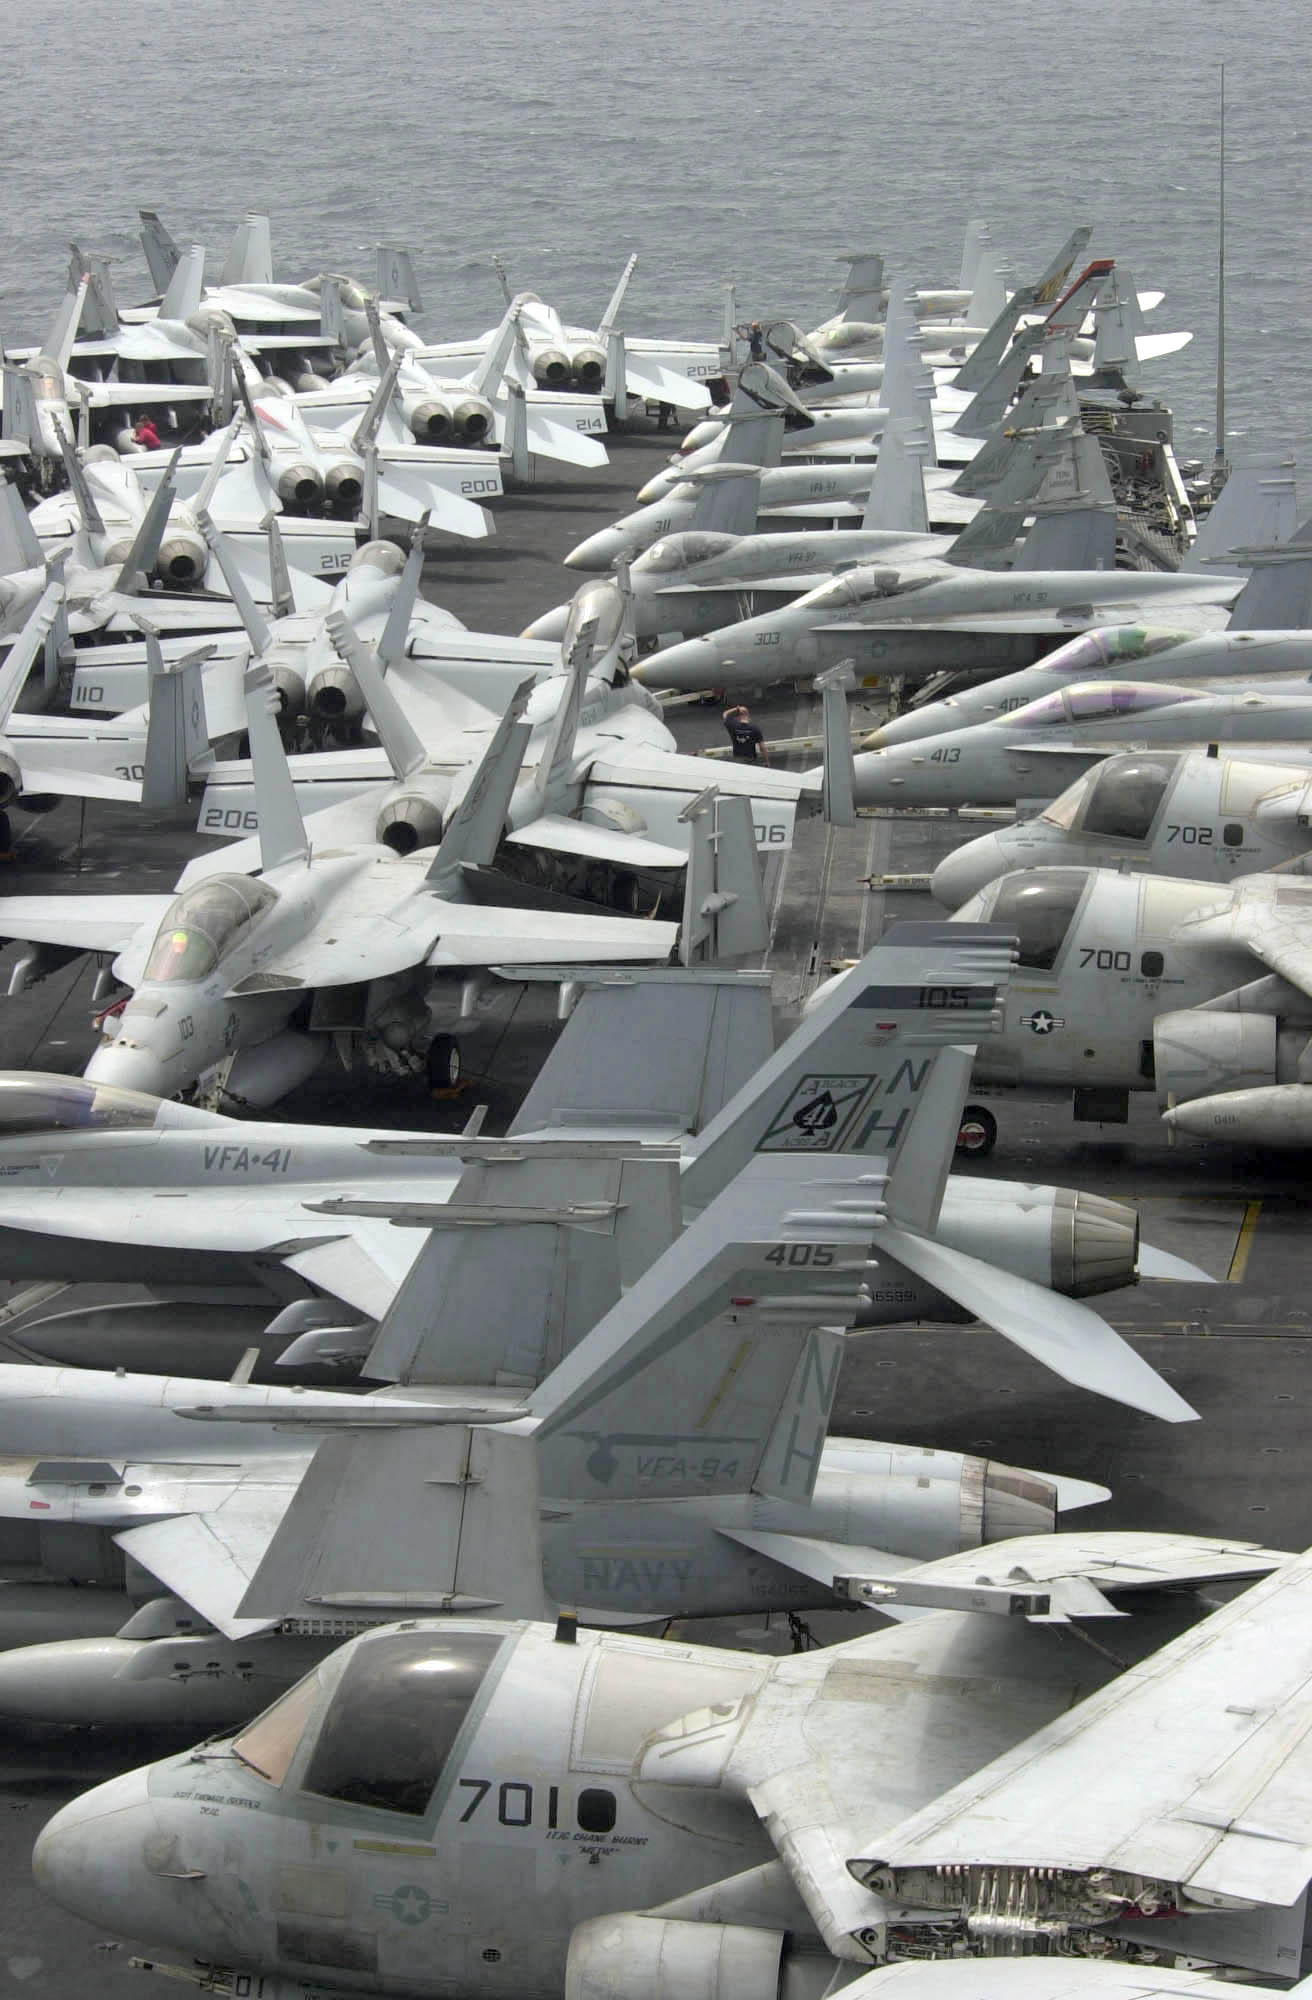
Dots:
(632, 1957)
(1197, 1052)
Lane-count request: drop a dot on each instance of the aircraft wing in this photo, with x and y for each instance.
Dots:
(477, 935)
(146, 395)
(88, 923)
(677, 772)
(819, 1561)
(1272, 919)
(1190, 1775)
(560, 835)
(644, 376)
(1204, 614)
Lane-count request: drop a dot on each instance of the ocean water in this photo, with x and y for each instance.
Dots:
(757, 141)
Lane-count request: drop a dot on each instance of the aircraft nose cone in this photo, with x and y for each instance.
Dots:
(127, 1063)
(103, 1857)
(551, 624)
(970, 869)
(693, 663)
(596, 553)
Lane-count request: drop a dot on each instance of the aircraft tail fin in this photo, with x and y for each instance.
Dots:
(1047, 286)
(282, 830)
(473, 832)
(556, 763)
(1058, 485)
(724, 914)
(468, 1495)
(728, 498)
(19, 547)
(395, 271)
(20, 421)
(84, 499)
(702, 1034)
(995, 396)
(405, 752)
(282, 598)
(610, 318)
(177, 734)
(862, 296)
(487, 375)
(257, 627)
(250, 254)
(366, 431)
(1078, 301)
(975, 244)
(186, 287)
(40, 622)
(1278, 594)
(391, 646)
(838, 802)
(161, 252)
(847, 1077)
(68, 320)
(1257, 507)
(332, 317)
(1115, 316)
(514, 431)
(144, 553)
(987, 354)
(535, 1245)
(897, 486)
(99, 311)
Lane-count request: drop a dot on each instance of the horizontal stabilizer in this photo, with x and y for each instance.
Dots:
(1064, 1334)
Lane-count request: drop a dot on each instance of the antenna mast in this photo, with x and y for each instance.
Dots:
(1220, 468)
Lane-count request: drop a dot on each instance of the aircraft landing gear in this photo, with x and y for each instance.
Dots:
(978, 1132)
(443, 1063)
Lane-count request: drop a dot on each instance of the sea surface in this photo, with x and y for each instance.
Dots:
(752, 141)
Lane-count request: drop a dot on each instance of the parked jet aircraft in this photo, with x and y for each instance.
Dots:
(218, 972)
(1144, 982)
(1203, 814)
(1038, 750)
(757, 1823)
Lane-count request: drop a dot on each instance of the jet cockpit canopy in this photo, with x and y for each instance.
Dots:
(200, 925)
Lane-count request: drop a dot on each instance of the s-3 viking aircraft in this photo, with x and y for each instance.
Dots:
(668, 1817)
(726, 1504)
(1200, 992)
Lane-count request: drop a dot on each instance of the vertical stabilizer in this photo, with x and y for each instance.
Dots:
(468, 1498)
(332, 313)
(396, 277)
(186, 287)
(849, 1073)
(253, 619)
(282, 830)
(21, 657)
(161, 252)
(142, 557)
(250, 254)
(19, 547)
(486, 378)
(282, 598)
(177, 734)
(1278, 594)
(100, 319)
(862, 296)
(725, 919)
(992, 401)
(1047, 286)
(536, 1243)
(839, 784)
(68, 320)
(986, 356)
(703, 1035)
(405, 751)
(975, 244)
(84, 499)
(897, 486)
(1256, 508)
(611, 317)
(1115, 315)
(473, 832)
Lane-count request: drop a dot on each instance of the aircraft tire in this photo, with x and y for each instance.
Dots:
(978, 1133)
(444, 1063)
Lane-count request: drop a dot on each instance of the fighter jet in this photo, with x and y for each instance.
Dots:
(118, 1159)
(440, 402)
(365, 937)
(1203, 814)
(1145, 982)
(1035, 752)
(603, 361)
(757, 1822)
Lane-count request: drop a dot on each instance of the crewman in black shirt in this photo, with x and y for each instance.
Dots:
(748, 742)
